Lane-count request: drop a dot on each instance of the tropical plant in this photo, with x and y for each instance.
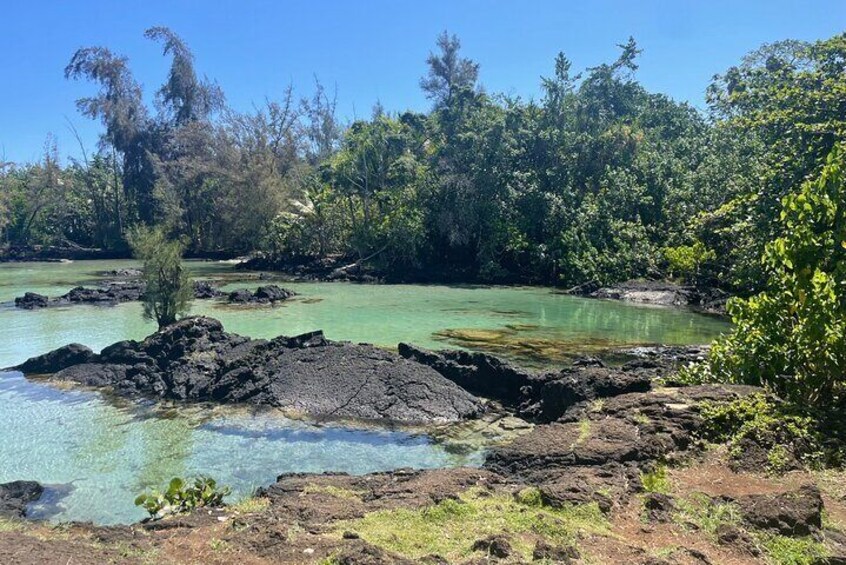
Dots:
(182, 495)
(791, 337)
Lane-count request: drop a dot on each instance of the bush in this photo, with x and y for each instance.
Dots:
(686, 261)
(168, 289)
(786, 432)
(182, 496)
(791, 338)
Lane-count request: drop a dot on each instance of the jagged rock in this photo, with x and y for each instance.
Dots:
(495, 546)
(205, 290)
(56, 360)
(16, 496)
(584, 382)
(564, 554)
(479, 373)
(359, 552)
(584, 485)
(548, 451)
(31, 301)
(542, 397)
(195, 360)
(262, 295)
(659, 507)
(735, 537)
(112, 293)
(792, 513)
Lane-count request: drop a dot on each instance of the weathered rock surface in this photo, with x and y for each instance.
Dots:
(16, 496)
(56, 360)
(206, 290)
(195, 360)
(542, 397)
(792, 513)
(269, 294)
(662, 293)
(480, 373)
(31, 301)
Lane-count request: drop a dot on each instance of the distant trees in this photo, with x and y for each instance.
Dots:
(597, 180)
(168, 290)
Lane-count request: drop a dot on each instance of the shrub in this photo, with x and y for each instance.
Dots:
(787, 432)
(686, 261)
(791, 337)
(168, 289)
(182, 496)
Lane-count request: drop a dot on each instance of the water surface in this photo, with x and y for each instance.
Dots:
(97, 453)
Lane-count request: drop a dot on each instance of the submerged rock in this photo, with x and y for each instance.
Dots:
(16, 496)
(195, 360)
(663, 293)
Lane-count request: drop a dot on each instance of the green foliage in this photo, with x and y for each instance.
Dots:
(788, 434)
(656, 480)
(784, 550)
(168, 289)
(599, 180)
(791, 337)
(706, 514)
(686, 260)
(182, 496)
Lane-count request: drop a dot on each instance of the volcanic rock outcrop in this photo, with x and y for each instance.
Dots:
(195, 360)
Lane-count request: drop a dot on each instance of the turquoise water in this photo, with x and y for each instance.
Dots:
(97, 452)
(96, 455)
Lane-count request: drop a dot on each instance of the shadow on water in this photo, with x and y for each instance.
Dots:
(51, 502)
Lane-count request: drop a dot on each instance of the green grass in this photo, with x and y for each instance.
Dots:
(656, 480)
(219, 545)
(783, 550)
(9, 525)
(450, 527)
(706, 514)
(584, 432)
(251, 505)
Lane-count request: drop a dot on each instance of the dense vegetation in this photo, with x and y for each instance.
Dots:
(597, 180)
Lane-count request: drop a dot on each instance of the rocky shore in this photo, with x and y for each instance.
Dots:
(660, 293)
(610, 468)
(127, 288)
(195, 360)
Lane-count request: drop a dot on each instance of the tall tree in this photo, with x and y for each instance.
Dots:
(449, 74)
(184, 97)
(121, 109)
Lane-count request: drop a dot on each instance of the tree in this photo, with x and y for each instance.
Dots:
(792, 336)
(449, 74)
(184, 97)
(119, 105)
(168, 289)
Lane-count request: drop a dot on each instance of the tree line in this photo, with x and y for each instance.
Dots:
(598, 180)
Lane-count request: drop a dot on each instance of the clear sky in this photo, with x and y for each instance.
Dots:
(372, 49)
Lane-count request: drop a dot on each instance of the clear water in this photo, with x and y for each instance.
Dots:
(99, 452)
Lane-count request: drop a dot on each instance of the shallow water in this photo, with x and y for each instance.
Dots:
(99, 452)
(96, 455)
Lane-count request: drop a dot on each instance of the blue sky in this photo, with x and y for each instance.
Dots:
(372, 50)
